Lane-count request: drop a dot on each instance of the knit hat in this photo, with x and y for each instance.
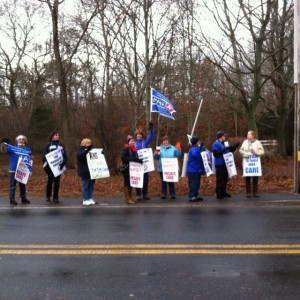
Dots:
(194, 140)
(129, 137)
(220, 134)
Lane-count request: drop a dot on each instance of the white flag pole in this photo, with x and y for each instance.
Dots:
(195, 122)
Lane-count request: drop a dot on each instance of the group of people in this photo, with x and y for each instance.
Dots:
(195, 166)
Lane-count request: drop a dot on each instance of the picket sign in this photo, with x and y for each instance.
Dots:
(252, 166)
(206, 165)
(22, 172)
(230, 164)
(97, 164)
(147, 156)
(136, 174)
(170, 169)
(54, 159)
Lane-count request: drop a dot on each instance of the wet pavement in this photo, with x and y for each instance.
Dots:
(234, 248)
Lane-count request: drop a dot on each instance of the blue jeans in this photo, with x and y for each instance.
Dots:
(87, 188)
(194, 184)
(12, 187)
(164, 186)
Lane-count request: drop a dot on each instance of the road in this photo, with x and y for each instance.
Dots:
(232, 249)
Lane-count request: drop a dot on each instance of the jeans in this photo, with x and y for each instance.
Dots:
(87, 188)
(194, 184)
(164, 186)
(51, 180)
(12, 187)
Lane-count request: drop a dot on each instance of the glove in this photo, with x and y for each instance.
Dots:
(89, 147)
(61, 166)
(102, 152)
(178, 145)
(156, 152)
(140, 161)
(150, 126)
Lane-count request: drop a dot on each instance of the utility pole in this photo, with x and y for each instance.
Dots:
(297, 96)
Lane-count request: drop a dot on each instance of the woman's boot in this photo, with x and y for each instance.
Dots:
(127, 196)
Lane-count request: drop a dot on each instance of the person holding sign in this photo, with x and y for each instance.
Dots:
(141, 143)
(195, 168)
(83, 172)
(251, 150)
(128, 154)
(19, 152)
(54, 144)
(219, 148)
(166, 150)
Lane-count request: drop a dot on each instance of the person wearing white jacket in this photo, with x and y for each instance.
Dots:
(251, 146)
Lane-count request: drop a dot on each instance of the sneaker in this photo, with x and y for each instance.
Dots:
(194, 199)
(48, 199)
(255, 196)
(86, 202)
(173, 197)
(146, 197)
(199, 198)
(25, 201)
(56, 201)
(92, 202)
(163, 197)
(13, 202)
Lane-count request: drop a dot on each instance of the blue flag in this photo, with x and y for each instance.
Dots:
(161, 104)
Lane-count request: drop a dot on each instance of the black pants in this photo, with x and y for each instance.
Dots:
(254, 184)
(221, 180)
(145, 186)
(51, 180)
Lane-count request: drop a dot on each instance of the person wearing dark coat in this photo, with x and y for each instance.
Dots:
(129, 153)
(54, 143)
(83, 172)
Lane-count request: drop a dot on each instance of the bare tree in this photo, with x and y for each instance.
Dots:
(64, 54)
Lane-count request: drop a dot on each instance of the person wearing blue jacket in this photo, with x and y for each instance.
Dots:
(84, 172)
(218, 149)
(141, 143)
(21, 150)
(195, 169)
(53, 144)
(166, 150)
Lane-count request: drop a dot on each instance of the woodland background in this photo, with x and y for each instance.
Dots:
(85, 67)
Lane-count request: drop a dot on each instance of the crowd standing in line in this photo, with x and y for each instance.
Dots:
(83, 172)
(251, 146)
(54, 144)
(141, 143)
(195, 165)
(166, 150)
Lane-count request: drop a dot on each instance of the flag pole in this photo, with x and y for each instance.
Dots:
(195, 122)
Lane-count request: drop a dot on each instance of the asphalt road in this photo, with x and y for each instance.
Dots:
(229, 249)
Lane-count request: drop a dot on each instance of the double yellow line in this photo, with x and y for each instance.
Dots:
(152, 249)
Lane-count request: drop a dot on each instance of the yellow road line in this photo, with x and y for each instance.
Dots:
(152, 249)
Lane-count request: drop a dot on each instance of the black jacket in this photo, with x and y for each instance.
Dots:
(82, 166)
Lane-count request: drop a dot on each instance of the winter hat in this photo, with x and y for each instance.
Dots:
(220, 134)
(129, 137)
(194, 140)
